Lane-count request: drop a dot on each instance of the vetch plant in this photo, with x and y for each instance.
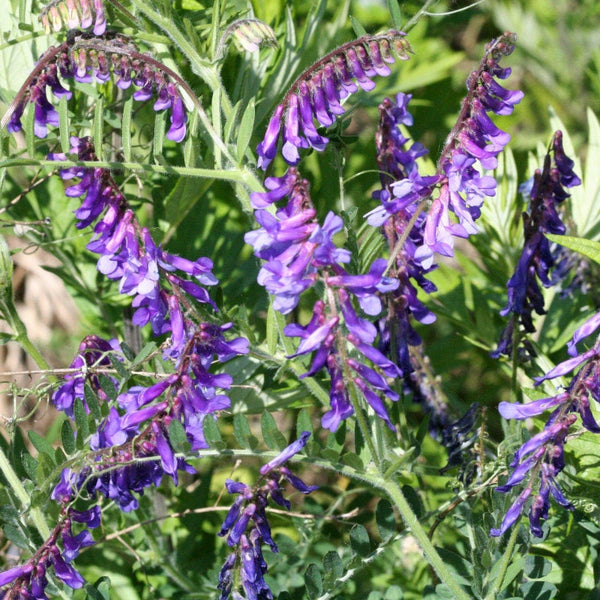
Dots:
(314, 330)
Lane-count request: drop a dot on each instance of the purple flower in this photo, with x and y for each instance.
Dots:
(317, 93)
(286, 454)
(474, 139)
(85, 58)
(246, 525)
(537, 259)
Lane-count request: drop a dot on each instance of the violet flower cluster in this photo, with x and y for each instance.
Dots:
(540, 459)
(403, 190)
(319, 91)
(86, 58)
(247, 528)
(546, 194)
(132, 447)
(298, 253)
(74, 14)
(473, 144)
(30, 579)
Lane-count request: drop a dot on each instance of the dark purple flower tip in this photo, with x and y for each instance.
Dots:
(231, 517)
(241, 524)
(287, 453)
(514, 512)
(90, 517)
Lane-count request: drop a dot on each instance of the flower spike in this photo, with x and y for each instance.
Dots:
(86, 58)
(317, 93)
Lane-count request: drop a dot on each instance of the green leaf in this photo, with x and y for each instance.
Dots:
(30, 465)
(67, 438)
(126, 128)
(273, 438)
(395, 13)
(98, 125)
(41, 444)
(212, 435)
(63, 124)
(353, 460)
(144, 353)
(313, 581)
(358, 28)
(538, 590)
(92, 403)
(537, 567)
(460, 567)
(272, 330)
(245, 131)
(588, 248)
(15, 535)
(107, 385)
(81, 420)
(304, 423)
(359, 541)
(100, 590)
(119, 367)
(242, 433)
(333, 569)
(177, 437)
(386, 520)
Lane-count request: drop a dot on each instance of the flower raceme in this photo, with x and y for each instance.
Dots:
(86, 58)
(540, 459)
(473, 144)
(546, 193)
(246, 525)
(299, 253)
(317, 94)
(132, 447)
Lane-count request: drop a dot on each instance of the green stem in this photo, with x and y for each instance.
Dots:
(200, 65)
(508, 553)
(20, 335)
(412, 522)
(244, 176)
(37, 517)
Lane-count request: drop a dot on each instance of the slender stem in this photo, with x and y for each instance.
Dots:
(20, 331)
(244, 176)
(412, 522)
(508, 553)
(37, 517)
(199, 64)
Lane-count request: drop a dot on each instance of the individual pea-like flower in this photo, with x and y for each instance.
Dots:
(546, 194)
(246, 525)
(318, 92)
(86, 58)
(474, 142)
(541, 458)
